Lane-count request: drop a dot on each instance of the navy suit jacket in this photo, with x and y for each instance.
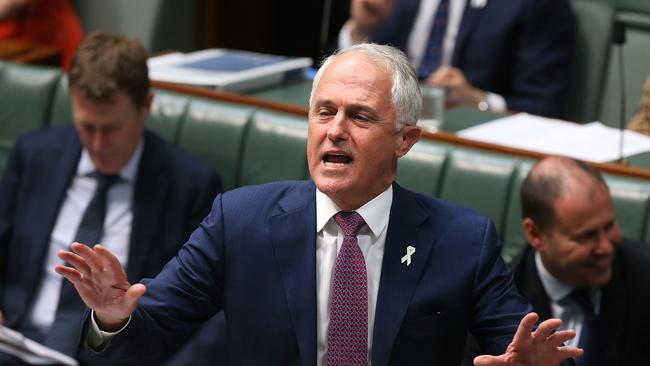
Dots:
(254, 256)
(172, 194)
(624, 321)
(519, 49)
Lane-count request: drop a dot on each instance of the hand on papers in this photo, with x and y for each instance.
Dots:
(102, 284)
(459, 90)
(365, 16)
(542, 347)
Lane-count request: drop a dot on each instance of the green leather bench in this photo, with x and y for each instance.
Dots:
(251, 145)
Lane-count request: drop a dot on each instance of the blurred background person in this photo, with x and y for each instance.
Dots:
(47, 22)
(490, 54)
(640, 122)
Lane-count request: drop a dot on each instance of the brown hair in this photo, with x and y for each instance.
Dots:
(105, 64)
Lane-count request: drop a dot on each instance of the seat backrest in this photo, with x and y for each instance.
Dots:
(590, 58)
(481, 181)
(166, 115)
(421, 169)
(274, 149)
(25, 101)
(631, 200)
(214, 132)
(513, 238)
(61, 107)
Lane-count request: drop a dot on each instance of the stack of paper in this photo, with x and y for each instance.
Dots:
(29, 351)
(592, 142)
(225, 69)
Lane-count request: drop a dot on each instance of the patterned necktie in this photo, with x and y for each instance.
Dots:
(90, 231)
(433, 53)
(348, 329)
(589, 333)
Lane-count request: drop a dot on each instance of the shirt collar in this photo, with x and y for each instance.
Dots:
(127, 173)
(375, 212)
(556, 289)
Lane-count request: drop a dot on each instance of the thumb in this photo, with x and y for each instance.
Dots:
(487, 360)
(133, 295)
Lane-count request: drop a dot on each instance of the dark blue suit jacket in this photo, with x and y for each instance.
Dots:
(519, 49)
(254, 256)
(172, 194)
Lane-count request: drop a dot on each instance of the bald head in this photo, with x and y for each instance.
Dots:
(552, 178)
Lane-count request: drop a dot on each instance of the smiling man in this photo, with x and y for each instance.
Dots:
(312, 272)
(105, 179)
(576, 252)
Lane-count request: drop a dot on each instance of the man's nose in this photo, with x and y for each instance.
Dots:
(338, 127)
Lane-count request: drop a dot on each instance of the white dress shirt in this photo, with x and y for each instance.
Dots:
(562, 307)
(419, 37)
(329, 238)
(117, 229)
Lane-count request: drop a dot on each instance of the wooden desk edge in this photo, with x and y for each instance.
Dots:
(447, 137)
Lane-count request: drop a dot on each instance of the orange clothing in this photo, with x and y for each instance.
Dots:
(48, 22)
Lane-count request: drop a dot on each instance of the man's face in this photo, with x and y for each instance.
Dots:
(353, 143)
(579, 249)
(109, 130)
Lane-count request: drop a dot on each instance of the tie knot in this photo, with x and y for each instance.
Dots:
(349, 221)
(105, 181)
(582, 296)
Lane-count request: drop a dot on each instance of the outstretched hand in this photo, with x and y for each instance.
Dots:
(102, 284)
(542, 347)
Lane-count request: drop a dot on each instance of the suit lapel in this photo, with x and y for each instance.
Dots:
(467, 23)
(53, 182)
(529, 283)
(293, 235)
(398, 281)
(151, 187)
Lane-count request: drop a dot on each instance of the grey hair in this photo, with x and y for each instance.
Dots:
(405, 91)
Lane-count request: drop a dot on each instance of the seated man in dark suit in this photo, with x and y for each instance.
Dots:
(104, 178)
(492, 54)
(577, 266)
(347, 269)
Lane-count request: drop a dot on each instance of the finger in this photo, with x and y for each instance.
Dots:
(487, 360)
(547, 328)
(133, 295)
(566, 352)
(92, 259)
(558, 338)
(109, 261)
(525, 328)
(69, 273)
(75, 261)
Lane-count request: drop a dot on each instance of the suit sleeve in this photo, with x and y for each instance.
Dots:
(498, 306)
(543, 57)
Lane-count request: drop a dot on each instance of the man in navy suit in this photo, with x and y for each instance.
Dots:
(347, 269)
(157, 198)
(575, 244)
(492, 54)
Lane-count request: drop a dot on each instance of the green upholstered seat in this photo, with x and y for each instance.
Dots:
(25, 102)
(274, 149)
(593, 39)
(479, 180)
(631, 199)
(421, 169)
(513, 238)
(61, 107)
(166, 115)
(214, 132)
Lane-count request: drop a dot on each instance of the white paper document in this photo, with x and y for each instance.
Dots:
(30, 351)
(592, 142)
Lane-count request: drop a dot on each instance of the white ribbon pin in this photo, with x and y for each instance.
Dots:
(409, 252)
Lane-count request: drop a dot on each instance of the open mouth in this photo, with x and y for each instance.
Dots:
(336, 159)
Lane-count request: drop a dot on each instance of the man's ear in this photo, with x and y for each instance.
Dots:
(408, 136)
(533, 234)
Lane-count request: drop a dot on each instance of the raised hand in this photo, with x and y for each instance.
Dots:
(102, 284)
(542, 347)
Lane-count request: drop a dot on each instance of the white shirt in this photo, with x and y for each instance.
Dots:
(561, 307)
(419, 37)
(329, 238)
(117, 229)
